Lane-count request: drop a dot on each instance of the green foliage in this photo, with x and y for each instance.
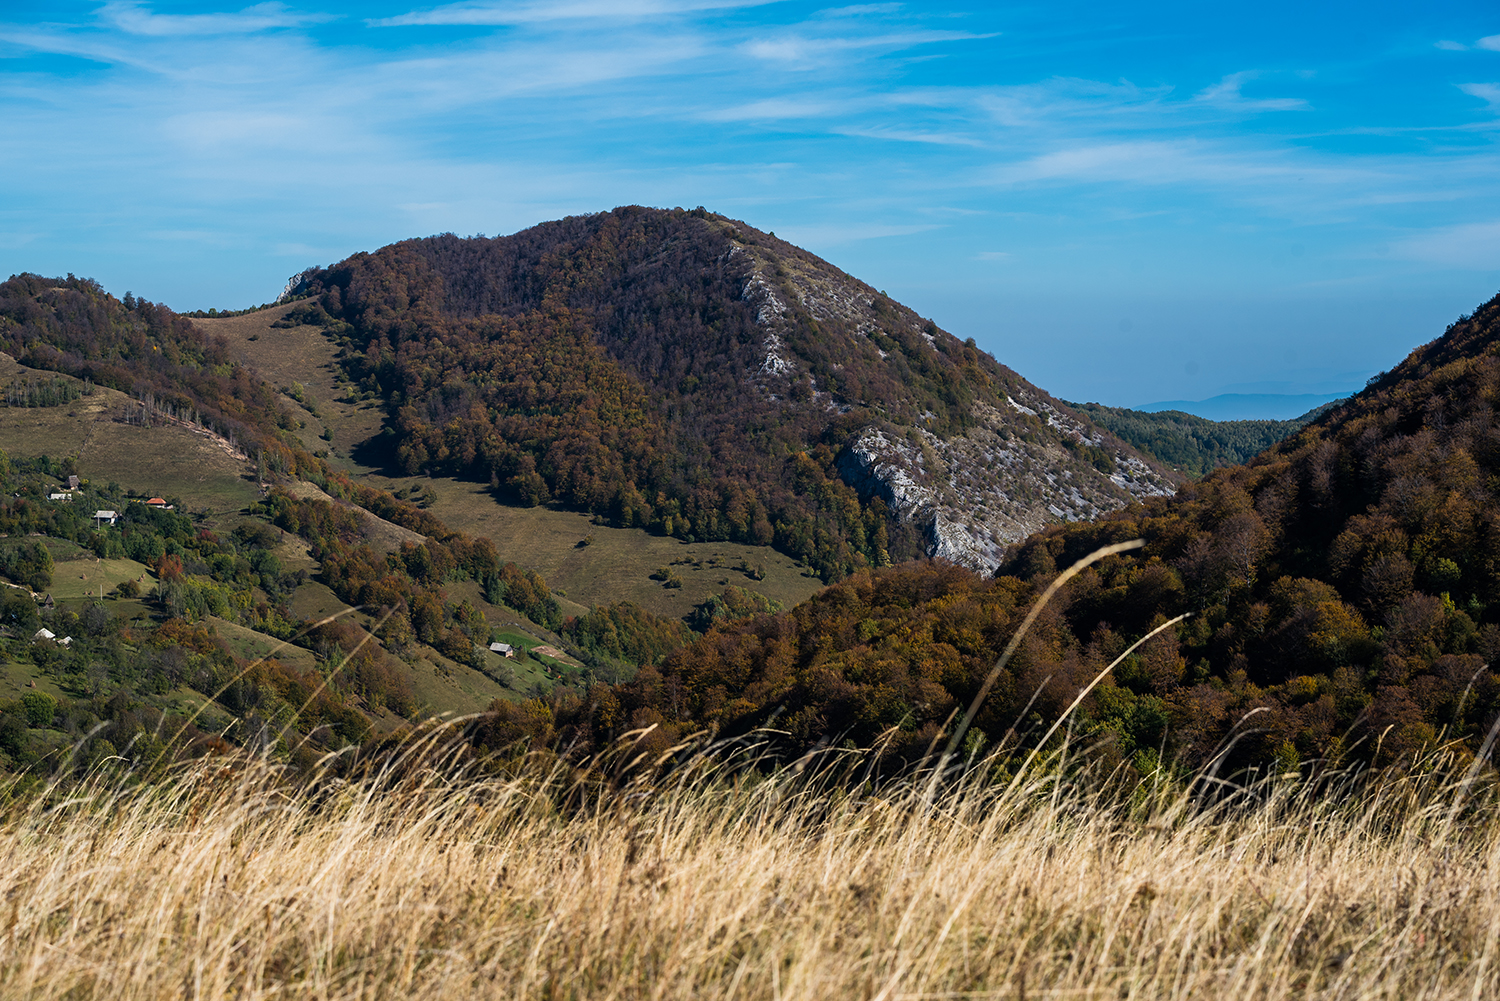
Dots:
(28, 564)
(39, 707)
(526, 592)
(733, 604)
(625, 632)
(52, 392)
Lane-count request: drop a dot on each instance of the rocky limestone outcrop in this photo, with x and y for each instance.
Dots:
(975, 494)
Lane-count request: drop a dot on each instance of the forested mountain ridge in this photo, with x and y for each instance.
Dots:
(685, 372)
(1344, 587)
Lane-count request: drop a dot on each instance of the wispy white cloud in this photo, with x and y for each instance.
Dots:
(1489, 93)
(861, 10)
(235, 130)
(136, 18)
(1227, 94)
(897, 134)
(795, 49)
(480, 14)
(1490, 42)
(1470, 246)
(777, 109)
(1069, 102)
(1286, 184)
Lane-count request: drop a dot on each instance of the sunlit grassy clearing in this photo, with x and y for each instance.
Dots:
(439, 883)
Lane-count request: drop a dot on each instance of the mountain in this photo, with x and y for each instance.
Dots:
(1246, 406)
(1344, 587)
(1192, 444)
(684, 372)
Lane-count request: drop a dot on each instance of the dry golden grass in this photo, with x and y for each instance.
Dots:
(697, 882)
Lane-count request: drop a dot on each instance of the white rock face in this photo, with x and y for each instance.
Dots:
(294, 284)
(975, 494)
(770, 312)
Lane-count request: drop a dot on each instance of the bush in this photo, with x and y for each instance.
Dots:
(40, 708)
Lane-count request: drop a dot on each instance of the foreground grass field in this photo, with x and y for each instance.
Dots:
(697, 882)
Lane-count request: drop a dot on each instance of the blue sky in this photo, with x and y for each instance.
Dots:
(1126, 204)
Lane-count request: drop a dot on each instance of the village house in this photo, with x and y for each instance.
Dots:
(47, 634)
(106, 516)
(64, 496)
(503, 649)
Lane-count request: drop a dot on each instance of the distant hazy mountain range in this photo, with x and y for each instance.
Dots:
(1247, 406)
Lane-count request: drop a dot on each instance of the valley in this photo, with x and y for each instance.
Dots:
(690, 475)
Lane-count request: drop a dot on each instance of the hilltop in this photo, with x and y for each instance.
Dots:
(690, 374)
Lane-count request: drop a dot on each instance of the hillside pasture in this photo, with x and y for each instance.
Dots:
(307, 356)
(617, 565)
(251, 645)
(17, 678)
(535, 666)
(167, 459)
(78, 574)
(87, 576)
(446, 687)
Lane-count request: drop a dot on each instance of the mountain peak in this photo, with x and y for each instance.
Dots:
(690, 373)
